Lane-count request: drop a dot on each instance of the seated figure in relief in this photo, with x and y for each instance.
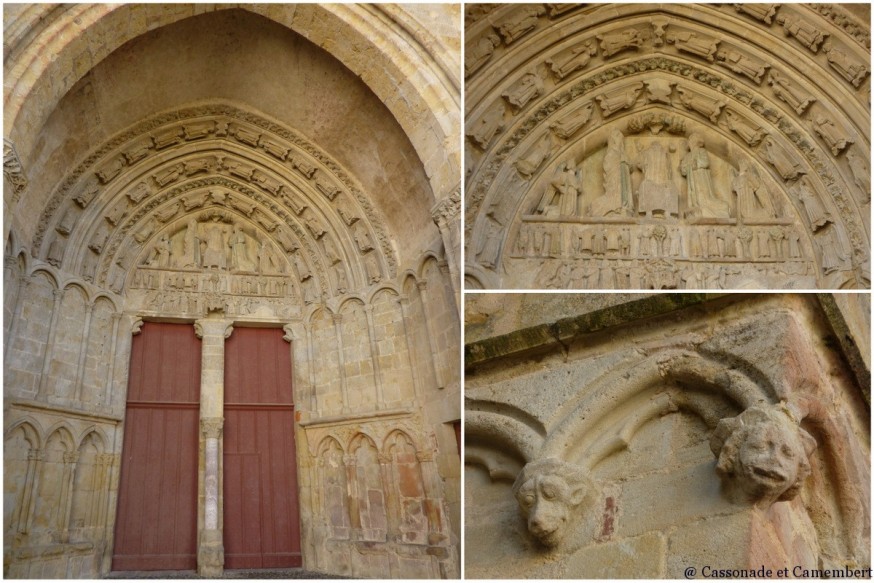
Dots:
(762, 455)
(550, 493)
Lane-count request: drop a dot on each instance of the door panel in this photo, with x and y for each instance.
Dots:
(261, 517)
(156, 525)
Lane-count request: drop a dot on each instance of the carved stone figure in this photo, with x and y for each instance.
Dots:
(314, 225)
(743, 127)
(816, 213)
(763, 12)
(690, 42)
(213, 248)
(572, 59)
(659, 91)
(139, 192)
(267, 259)
(362, 237)
(619, 98)
(568, 125)
(836, 139)
(371, 266)
(491, 122)
(616, 42)
(830, 251)
(340, 274)
(479, 51)
(786, 91)
(616, 199)
(239, 245)
(303, 270)
(850, 70)
(787, 166)
(806, 33)
(161, 253)
(562, 194)
(169, 175)
(709, 108)
(490, 247)
(762, 455)
(657, 192)
(521, 21)
(190, 247)
(695, 166)
(524, 90)
(753, 198)
(534, 157)
(742, 64)
(550, 492)
(861, 171)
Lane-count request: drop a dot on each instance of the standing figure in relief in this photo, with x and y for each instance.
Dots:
(657, 192)
(616, 199)
(190, 246)
(239, 250)
(816, 213)
(214, 247)
(161, 256)
(753, 199)
(490, 247)
(695, 166)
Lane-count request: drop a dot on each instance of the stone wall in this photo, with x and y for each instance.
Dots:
(683, 147)
(619, 442)
(156, 186)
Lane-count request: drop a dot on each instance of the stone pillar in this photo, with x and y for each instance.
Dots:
(446, 214)
(338, 330)
(23, 292)
(83, 352)
(210, 548)
(106, 400)
(429, 332)
(50, 344)
(404, 301)
(374, 356)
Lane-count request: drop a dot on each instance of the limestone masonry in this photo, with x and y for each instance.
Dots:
(677, 146)
(712, 434)
(231, 289)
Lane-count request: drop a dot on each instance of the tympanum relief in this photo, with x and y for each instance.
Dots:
(733, 97)
(659, 210)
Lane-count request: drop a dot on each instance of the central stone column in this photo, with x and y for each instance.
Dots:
(212, 330)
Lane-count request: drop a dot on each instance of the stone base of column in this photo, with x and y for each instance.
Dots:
(211, 554)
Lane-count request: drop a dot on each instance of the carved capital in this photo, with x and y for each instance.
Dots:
(425, 456)
(383, 458)
(446, 211)
(210, 327)
(136, 325)
(71, 457)
(13, 170)
(422, 285)
(290, 333)
(338, 318)
(211, 427)
(36, 455)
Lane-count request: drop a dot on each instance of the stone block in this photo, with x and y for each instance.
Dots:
(640, 557)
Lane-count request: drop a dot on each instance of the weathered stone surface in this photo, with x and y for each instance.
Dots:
(702, 426)
(146, 182)
(684, 148)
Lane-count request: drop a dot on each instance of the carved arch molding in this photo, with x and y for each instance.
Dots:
(678, 146)
(218, 206)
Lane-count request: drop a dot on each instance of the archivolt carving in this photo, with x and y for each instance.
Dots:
(758, 121)
(205, 146)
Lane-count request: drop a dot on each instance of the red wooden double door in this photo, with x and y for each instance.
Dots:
(156, 525)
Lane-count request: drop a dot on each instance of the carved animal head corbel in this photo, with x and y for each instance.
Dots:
(551, 494)
(762, 454)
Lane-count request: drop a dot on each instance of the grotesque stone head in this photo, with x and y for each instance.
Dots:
(548, 492)
(762, 454)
